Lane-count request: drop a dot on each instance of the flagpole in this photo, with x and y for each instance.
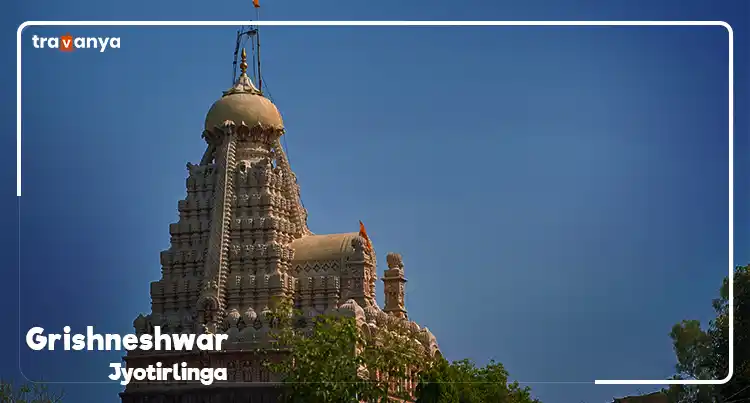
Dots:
(257, 47)
(236, 53)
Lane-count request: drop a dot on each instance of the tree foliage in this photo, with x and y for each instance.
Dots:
(337, 360)
(463, 382)
(704, 353)
(436, 384)
(27, 393)
(334, 360)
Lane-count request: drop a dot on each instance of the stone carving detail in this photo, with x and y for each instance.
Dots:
(394, 286)
(141, 325)
(231, 323)
(208, 312)
(205, 360)
(215, 266)
(292, 190)
(263, 375)
(394, 261)
(234, 372)
(209, 155)
(247, 371)
(316, 267)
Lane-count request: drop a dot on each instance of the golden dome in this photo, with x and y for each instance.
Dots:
(244, 103)
(251, 108)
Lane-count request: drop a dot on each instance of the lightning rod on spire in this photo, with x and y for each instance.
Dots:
(242, 33)
(252, 33)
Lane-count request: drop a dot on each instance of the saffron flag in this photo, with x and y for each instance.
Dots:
(363, 234)
(256, 3)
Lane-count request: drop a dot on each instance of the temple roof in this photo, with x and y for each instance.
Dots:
(244, 103)
(250, 109)
(324, 247)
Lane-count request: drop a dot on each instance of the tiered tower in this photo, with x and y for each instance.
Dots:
(242, 245)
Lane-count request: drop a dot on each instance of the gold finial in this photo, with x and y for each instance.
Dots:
(243, 64)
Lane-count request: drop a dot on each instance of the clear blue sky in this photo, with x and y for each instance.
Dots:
(559, 195)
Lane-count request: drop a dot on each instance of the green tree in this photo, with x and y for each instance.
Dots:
(693, 349)
(322, 366)
(739, 387)
(519, 394)
(340, 360)
(334, 360)
(704, 354)
(27, 393)
(464, 382)
(436, 384)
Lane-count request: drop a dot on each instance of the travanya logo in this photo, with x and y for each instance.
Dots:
(68, 43)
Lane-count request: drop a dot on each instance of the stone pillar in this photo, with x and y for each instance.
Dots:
(354, 280)
(394, 284)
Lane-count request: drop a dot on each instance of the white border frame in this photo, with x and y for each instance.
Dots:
(19, 34)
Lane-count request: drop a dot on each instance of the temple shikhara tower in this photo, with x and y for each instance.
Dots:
(241, 244)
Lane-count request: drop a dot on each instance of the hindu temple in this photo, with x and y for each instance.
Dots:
(242, 241)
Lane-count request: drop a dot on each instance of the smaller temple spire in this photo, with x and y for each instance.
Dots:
(394, 286)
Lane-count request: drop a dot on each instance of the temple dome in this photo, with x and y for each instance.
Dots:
(244, 103)
(330, 247)
(251, 108)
